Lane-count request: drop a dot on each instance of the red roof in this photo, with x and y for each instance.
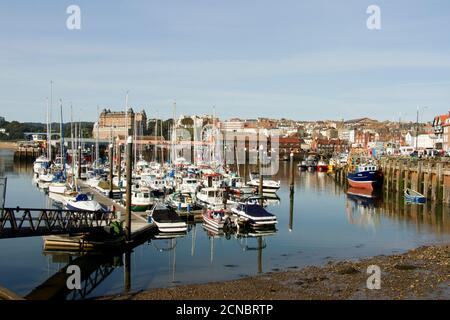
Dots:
(440, 119)
(289, 140)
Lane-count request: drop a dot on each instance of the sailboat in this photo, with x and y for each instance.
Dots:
(58, 184)
(43, 162)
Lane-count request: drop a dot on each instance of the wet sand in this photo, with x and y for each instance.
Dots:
(422, 273)
(8, 145)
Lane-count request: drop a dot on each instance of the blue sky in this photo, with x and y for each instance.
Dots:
(304, 60)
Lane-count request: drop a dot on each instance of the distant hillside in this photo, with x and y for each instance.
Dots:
(361, 121)
(17, 129)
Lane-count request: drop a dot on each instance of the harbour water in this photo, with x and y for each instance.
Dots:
(325, 224)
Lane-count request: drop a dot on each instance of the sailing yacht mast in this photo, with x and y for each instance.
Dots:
(213, 140)
(173, 135)
(48, 130)
(61, 131)
(126, 115)
(135, 138)
(156, 139)
(72, 136)
(97, 154)
(162, 147)
(75, 155)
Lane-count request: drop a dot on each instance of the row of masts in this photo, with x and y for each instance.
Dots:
(77, 134)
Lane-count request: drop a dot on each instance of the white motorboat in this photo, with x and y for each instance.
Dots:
(166, 219)
(213, 198)
(189, 185)
(212, 179)
(182, 201)
(57, 187)
(159, 185)
(255, 214)
(46, 177)
(269, 186)
(141, 200)
(41, 163)
(83, 202)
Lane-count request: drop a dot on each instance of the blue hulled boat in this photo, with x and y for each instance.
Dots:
(366, 176)
(414, 196)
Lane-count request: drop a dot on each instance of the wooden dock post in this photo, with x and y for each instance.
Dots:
(111, 170)
(440, 182)
(445, 187)
(407, 172)
(391, 174)
(434, 183)
(427, 181)
(129, 155)
(291, 173)
(419, 178)
(386, 175)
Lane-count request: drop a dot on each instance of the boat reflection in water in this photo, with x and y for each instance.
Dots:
(249, 239)
(361, 206)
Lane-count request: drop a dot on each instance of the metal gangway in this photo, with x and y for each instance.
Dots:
(26, 222)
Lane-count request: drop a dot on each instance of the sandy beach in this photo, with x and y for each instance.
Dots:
(422, 273)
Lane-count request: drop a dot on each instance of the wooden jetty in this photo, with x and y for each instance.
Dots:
(430, 177)
(27, 153)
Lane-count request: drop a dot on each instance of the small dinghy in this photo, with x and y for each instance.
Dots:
(414, 196)
(216, 218)
(166, 219)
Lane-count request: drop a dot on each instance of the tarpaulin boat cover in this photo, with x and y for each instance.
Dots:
(256, 211)
(82, 197)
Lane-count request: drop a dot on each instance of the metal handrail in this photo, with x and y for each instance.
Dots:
(24, 221)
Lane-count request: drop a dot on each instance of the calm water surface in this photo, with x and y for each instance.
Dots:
(325, 224)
